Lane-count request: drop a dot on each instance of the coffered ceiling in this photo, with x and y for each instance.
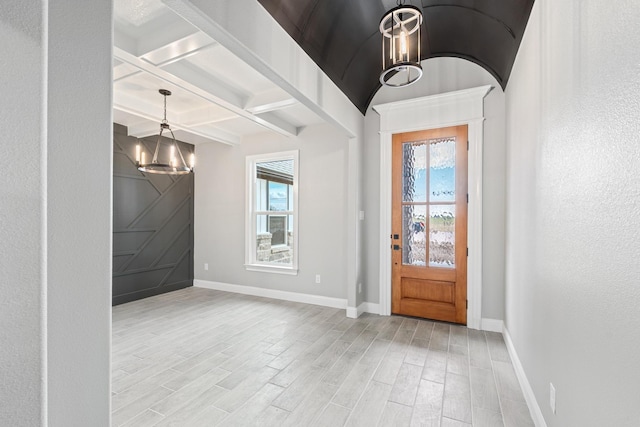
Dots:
(215, 96)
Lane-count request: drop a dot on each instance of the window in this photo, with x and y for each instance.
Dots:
(272, 205)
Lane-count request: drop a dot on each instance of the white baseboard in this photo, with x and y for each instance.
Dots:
(365, 307)
(273, 293)
(369, 307)
(532, 403)
(492, 325)
(352, 312)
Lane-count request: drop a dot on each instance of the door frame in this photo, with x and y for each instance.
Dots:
(464, 107)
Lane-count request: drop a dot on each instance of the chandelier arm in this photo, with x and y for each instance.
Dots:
(178, 149)
(155, 153)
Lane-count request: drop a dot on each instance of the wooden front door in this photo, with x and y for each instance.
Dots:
(429, 224)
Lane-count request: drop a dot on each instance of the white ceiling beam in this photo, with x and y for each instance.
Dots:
(205, 82)
(143, 129)
(283, 124)
(161, 32)
(191, 138)
(272, 106)
(233, 105)
(179, 49)
(122, 71)
(270, 100)
(210, 134)
(204, 116)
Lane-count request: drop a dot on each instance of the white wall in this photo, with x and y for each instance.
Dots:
(79, 212)
(22, 334)
(573, 258)
(55, 228)
(445, 75)
(220, 212)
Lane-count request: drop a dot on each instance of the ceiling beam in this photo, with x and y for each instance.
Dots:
(142, 129)
(234, 104)
(270, 100)
(161, 32)
(204, 116)
(270, 117)
(210, 134)
(122, 71)
(179, 49)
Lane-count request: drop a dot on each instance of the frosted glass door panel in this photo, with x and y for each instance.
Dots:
(442, 170)
(442, 237)
(414, 173)
(414, 239)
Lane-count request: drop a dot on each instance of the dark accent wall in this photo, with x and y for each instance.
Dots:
(152, 224)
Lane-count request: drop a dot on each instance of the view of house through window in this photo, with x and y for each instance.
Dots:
(273, 214)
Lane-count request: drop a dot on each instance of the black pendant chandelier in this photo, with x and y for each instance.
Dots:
(401, 34)
(167, 163)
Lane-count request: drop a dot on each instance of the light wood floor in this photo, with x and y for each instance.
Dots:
(198, 357)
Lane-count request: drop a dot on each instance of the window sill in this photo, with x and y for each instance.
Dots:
(290, 271)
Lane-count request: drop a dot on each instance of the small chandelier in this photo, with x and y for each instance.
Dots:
(401, 33)
(174, 165)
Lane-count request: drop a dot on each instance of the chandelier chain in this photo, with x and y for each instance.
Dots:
(165, 109)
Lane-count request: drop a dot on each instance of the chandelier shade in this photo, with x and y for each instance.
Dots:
(167, 158)
(401, 30)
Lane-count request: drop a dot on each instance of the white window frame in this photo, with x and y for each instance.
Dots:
(251, 220)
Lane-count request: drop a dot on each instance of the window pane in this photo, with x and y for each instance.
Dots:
(413, 234)
(273, 244)
(277, 196)
(442, 170)
(442, 223)
(414, 174)
(278, 229)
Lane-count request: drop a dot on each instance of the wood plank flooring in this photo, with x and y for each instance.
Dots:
(198, 357)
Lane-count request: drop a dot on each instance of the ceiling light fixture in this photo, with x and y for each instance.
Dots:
(401, 33)
(174, 165)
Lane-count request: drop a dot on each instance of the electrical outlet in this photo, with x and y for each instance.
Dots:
(552, 397)
(359, 288)
(361, 215)
(206, 266)
(317, 278)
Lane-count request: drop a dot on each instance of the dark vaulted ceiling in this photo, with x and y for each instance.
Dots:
(342, 36)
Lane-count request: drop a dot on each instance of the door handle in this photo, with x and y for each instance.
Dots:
(397, 247)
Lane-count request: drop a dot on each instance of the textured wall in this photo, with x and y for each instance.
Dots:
(446, 75)
(55, 214)
(152, 224)
(22, 216)
(220, 212)
(573, 269)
